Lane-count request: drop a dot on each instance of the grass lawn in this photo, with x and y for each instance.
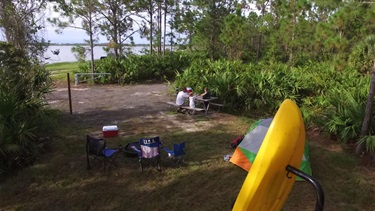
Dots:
(59, 179)
(59, 70)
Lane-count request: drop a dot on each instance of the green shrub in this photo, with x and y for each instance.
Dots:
(141, 68)
(22, 89)
(332, 100)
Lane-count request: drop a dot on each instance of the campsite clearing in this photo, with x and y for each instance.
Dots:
(59, 179)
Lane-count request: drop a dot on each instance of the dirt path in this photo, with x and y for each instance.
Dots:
(111, 102)
(144, 105)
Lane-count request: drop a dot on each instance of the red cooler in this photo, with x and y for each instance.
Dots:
(110, 131)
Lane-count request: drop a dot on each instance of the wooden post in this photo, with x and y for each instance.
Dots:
(69, 93)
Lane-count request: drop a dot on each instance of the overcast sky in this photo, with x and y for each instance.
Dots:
(70, 35)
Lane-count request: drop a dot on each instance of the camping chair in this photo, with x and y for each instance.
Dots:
(178, 152)
(149, 152)
(97, 152)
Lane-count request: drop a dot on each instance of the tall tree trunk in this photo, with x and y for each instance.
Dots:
(260, 33)
(294, 23)
(368, 112)
(165, 24)
(171, 41)
(116, 42)
(92, 47)
(151, 25)
(259, 46)
(117, 47)
(159, 26)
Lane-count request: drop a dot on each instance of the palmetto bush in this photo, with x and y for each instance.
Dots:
(345, 115)
(18, 131)
(345, 110)
(221, 77)
(108, 65)
(22, 89)
(141, 68)
(252, 87)
(197, 75)
(369, 142)
(265, 87)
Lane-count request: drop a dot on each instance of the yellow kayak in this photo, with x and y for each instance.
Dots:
(268, 184)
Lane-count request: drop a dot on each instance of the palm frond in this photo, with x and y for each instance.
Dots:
(369, 142)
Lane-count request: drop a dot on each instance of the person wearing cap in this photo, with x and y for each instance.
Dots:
(180, 99)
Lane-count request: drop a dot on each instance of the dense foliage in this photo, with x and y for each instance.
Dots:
(22, 89)
(144, 68)
(332, 100)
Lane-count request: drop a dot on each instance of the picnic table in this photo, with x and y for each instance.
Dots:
(206, 102)
(203, 104)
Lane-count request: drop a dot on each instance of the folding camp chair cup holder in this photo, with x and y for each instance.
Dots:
(129, 151)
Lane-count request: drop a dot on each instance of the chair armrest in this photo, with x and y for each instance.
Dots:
(136, 150)
(168, 150)
(109, 152)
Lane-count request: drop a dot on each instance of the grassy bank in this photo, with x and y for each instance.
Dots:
(59, 70)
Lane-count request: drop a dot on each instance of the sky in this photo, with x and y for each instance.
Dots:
(71, 35)
(68, 35)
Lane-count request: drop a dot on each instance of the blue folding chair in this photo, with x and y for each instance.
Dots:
(178, 152)
(149, 152)
(97, 152)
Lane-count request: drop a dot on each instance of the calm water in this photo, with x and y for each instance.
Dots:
(66, 54)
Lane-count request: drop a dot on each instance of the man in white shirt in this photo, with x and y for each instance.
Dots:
(180, 99)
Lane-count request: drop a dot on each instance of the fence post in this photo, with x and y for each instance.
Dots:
(70, 95)
(76, 79)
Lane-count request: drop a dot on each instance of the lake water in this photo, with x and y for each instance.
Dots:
(66, 54)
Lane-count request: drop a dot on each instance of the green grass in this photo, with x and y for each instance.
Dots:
(59, 179)
(59, 70)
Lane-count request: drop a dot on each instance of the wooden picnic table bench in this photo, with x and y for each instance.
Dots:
(185, 107)
(208, 102)
(219, 105)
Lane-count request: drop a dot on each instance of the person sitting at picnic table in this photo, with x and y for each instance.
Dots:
(180, 99)
(206, 94)
(192, 98)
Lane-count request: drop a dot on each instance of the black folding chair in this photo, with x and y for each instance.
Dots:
(97, 152)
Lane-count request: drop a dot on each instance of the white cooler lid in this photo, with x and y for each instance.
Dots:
(110, 128)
